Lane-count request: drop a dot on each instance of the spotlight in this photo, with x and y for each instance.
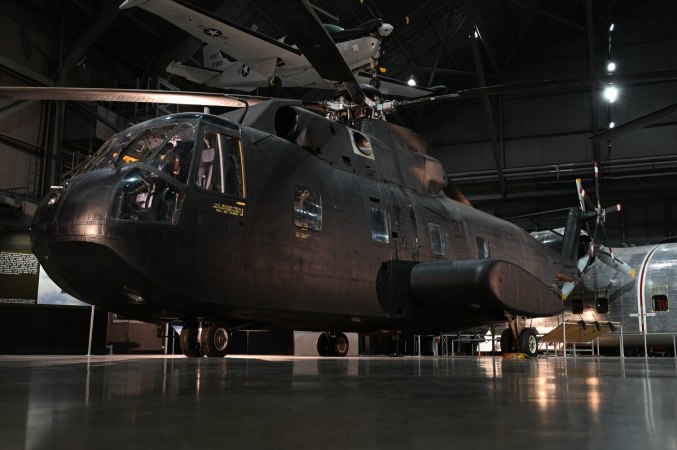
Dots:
(611, 67)
(610, 93)
(611, 27)
(612, 124)
(411, 81)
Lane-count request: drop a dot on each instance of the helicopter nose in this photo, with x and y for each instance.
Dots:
(75, 210)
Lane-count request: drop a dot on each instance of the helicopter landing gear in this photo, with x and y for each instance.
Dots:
(528, 342)
(332, 344)
(375, 82)
(215, 340)
(524, 341)
(508, 341)
(188, 340)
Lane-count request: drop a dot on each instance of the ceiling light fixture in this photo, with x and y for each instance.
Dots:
(611, 93)
(412, 81)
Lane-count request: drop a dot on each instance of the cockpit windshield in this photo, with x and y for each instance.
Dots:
(155, 144)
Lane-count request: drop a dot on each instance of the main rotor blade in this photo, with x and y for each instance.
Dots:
(301, 24)
(125, 95)
(546, 85)
(638, 122)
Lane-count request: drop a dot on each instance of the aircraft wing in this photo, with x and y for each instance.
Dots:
(257, 50)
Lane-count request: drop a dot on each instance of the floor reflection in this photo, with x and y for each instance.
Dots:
(282, 402)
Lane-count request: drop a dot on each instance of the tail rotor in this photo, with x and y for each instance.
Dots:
(599, 214)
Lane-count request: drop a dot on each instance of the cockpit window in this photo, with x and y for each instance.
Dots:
(147, 142)
(175, 154)
(140, 144)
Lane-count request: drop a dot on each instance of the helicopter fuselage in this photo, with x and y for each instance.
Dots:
(303, 223)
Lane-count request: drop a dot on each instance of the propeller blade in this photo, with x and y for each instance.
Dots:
(123, 95)
(606, 256)
(301, 24)
(567, 288)
(599, 201)
(639, 122)
(583, 266)
(613, 209)
(583, 198)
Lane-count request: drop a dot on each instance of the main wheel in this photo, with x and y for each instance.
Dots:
(323, 345)
(507, 341)
(340, 345)
(215, 340)
(188, 340)
(528, 342)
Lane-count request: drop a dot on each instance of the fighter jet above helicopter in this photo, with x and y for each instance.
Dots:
(287, 215)
(257, 60)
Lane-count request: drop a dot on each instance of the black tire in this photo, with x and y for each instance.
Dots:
(375, 82)
(528, 342)
(216, 340)
(340, 345)
(323, 345)
(507, 341)
(188, 341)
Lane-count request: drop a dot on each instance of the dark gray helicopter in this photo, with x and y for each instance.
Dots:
(277, 216)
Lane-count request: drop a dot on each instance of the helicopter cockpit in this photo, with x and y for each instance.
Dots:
(161, 158)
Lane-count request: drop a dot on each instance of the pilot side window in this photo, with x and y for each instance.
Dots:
(380, 225)
(307, 208)
(220, 165)
(437, 239)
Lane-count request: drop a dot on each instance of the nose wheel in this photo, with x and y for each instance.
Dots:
(215, 340)
(333, 344)
(188, 340)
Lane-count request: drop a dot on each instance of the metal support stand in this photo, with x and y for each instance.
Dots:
(91, 332)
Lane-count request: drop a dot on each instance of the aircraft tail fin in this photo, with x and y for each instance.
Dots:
(572, 236)
(575, 258)
(213, 58)
(195, 74)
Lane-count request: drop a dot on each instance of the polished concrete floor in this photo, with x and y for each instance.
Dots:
(353, 403)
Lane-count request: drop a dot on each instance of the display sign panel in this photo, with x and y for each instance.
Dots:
(18, 277)
(22, 279)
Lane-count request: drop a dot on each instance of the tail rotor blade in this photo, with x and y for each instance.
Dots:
(613, 209)
(606, 256)
(583, 197)
(599, 201)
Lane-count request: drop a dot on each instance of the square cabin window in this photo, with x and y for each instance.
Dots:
(437, 241)
(307, 208)
(380, 225)
(660, 303)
